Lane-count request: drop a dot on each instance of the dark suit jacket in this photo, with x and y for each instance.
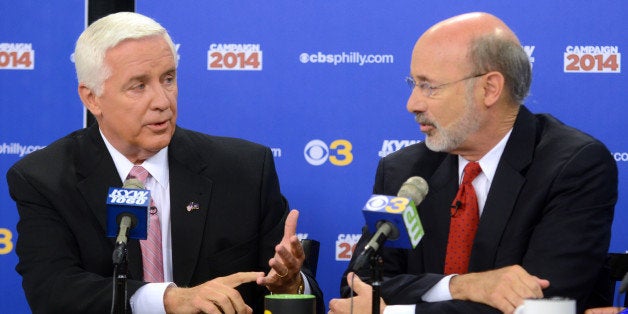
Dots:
(65, 258)
(549, 209)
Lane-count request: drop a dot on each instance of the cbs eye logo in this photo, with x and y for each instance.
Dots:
(392, 205)
(338, 153)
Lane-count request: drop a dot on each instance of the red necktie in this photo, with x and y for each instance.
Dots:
(152, 259)
(465, 217)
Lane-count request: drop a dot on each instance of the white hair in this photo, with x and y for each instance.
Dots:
(106, 33)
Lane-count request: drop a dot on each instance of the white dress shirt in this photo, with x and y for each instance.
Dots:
(149, 298)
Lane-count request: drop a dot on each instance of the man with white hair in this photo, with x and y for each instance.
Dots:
(223, 236)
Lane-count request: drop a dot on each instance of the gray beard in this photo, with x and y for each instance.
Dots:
(448, 139)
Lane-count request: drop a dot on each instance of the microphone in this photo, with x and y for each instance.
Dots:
(624, 284)
(127, 211)
(395, 220)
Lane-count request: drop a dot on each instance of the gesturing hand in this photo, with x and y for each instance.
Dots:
(605, 310)
(284, 275)
(215, 296)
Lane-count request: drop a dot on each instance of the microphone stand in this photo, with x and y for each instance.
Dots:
(376, 266)
(120, 268)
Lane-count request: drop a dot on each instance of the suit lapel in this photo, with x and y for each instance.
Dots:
(97, 170)
(189, 205)
(504, 192)
(443, 186)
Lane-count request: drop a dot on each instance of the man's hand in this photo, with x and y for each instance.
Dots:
(504, 288)
(215, 296)
(604, 310)
(362, 303)
(285, 273)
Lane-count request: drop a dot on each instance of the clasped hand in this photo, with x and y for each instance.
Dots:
(504, 289)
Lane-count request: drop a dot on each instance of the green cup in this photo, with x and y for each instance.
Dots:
(290, 304)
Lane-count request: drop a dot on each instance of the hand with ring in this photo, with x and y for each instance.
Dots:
(285, 273)
(282, 276)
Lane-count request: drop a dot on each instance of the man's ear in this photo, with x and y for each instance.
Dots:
(89, 99)
(493, 87)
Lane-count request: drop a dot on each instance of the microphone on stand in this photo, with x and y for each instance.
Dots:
(127, 217)
(397, 224)
(394, 220)
(624, 284)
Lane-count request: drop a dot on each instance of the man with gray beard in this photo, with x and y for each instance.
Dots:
(519, 203)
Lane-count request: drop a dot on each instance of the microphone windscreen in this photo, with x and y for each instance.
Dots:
(133, 183)
(624, 284)
(415, 188)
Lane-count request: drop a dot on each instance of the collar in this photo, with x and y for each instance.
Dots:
(489, 161)
(157, 165)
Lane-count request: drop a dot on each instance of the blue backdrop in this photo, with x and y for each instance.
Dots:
(320, 82)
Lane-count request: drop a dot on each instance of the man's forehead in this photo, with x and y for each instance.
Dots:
(140, 50)
(440, 50)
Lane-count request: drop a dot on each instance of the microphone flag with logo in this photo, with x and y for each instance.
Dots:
(400, 211)
(394, 220)
(128, 205)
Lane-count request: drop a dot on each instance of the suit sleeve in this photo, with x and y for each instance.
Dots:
(574, 230)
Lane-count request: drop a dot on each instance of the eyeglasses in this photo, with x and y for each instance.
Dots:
(428, 89)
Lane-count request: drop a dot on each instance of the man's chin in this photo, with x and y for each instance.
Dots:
(159, 143)
(434, 145)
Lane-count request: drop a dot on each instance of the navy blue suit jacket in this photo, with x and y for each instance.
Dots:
(549, 209)
(65, 258)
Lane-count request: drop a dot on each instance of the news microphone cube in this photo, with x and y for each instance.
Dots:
(401, 212)
(134, 202)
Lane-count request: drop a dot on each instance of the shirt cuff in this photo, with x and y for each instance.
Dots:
(306, 285)
(439, 292)
(150, 298)
(400, 309)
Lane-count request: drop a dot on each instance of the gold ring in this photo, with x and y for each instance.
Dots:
(284, 275)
